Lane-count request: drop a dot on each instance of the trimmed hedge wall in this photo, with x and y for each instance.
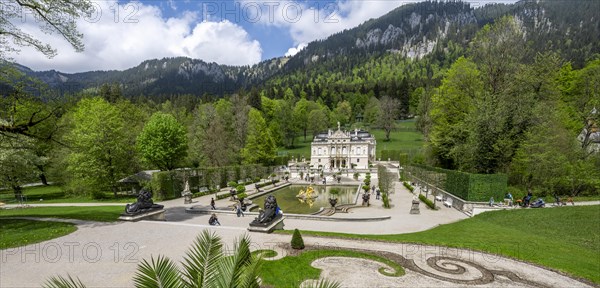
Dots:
(165, 185)
(467, 186)
(169, 184)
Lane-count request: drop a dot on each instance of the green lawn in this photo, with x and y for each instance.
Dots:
(565, 239)
(404, 138)
(93, 213)
(291, 271)
(20, 232)
(55, 194)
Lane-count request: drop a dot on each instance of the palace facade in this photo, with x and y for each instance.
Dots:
(343, 149)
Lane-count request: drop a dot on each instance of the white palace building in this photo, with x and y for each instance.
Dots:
(343, 149)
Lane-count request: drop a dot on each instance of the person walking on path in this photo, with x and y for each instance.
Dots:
(239, 211)
(378, 194)
(212, 204)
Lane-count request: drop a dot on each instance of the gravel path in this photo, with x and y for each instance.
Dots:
(107, 254)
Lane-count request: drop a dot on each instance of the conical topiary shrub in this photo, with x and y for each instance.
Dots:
(297, 242)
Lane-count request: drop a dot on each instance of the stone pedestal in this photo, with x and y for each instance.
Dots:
(187, 198)
(414, 209)
(275, 225)
(155, 215)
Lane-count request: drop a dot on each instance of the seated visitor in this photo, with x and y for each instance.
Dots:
(508, 199)
(214, 220)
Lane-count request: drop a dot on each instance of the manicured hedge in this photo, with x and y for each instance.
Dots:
(169, 184)
(165, 185)
(408, 186)
(261, 185)
(427, 201)
(297, 241)
(470, 187)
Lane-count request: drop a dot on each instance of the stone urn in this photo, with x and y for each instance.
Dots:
(333, 202)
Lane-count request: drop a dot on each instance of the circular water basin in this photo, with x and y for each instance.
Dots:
(289, 203)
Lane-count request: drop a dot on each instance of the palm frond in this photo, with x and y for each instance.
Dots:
(161, 272)
(233, 268)
(62, 282)
(249, 277)
(201, 260)
(324, 283)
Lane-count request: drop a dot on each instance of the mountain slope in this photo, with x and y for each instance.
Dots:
(434, 32)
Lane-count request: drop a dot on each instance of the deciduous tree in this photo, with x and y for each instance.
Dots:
(163, 141)
(50, 16)
(453, 101)
(98, 155)
(260, 147)
(389, 112)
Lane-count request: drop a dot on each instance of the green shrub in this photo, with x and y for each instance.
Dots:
(408, 186)
(356, 175)
(297, 241)
(240, 189)
(165, 185)
(232, 184)
(427, 201)
(200, 194)
(386, 200)
(261, 185)
(334, 191)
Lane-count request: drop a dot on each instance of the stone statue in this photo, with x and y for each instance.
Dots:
(270, 213)
(186, 193)
(144, 203)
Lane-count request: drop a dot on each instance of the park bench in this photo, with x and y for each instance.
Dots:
(448, 202)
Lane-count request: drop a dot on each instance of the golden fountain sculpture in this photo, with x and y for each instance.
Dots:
(307, 196)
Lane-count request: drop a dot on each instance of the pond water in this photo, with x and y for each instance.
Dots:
(287, 201)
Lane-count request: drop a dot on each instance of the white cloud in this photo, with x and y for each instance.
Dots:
(137, 33)
(294, 50)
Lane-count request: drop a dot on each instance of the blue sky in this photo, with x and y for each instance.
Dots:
(276, 41)
(121, 34)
